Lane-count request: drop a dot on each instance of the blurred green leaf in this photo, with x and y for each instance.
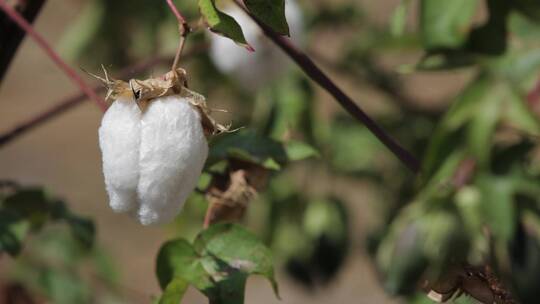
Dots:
(12, 234)
(221, 23)
(353, 149)
(291, 112)
(83, 230)
(402, 259)
(445, 24)
(519, 115)
(529, 8)
(28, 209)
(82, 32)
(399, 18)
(442, 60)
(271, 13)
(118, 32)
(448, 134)
(56, 266)
(523, 27)
(482, 125)
(297, 150)
(498, 206)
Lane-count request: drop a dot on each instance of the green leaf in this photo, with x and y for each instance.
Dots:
(297, 150)
(247, 146)
(271, 13)
(218, 263)
(174, 292)
(239, 249)
(222, 23)
(178, 259)
(445, 24)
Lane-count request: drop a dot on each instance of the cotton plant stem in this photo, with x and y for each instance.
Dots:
(317, 75)
(70, 72)
(184, 30)
(11, 35)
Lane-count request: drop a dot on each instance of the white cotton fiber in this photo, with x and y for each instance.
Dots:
(172, 155)
(152, 161)
(119, 139)
(254, 69)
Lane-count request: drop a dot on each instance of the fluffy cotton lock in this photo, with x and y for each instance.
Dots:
(152, 159)
(119, 140)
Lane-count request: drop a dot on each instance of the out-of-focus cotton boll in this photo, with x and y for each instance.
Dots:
(119, 139)
(254, 70)
(152, 161)
(172, 155)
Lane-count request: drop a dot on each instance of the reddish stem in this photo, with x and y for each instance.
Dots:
(181, 19)
(27, 27)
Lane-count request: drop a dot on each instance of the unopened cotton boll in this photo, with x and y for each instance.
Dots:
(253, 70)
(152, 159)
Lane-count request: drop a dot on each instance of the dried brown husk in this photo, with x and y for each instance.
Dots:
(478, 282)
(230, 193)
(143, 92)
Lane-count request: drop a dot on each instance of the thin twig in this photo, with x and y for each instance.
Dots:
(184, 29)
(12, 35)
(70, 102)
(27, 27)
(315, 73)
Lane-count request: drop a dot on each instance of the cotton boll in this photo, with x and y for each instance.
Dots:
(119, 139)
(254, 69)
(172, 155)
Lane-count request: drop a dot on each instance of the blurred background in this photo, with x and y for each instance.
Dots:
(456, 84)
